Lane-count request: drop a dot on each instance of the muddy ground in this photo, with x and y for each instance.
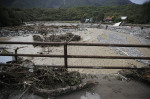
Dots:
(112, 87)
(109, 86)
(91, 35)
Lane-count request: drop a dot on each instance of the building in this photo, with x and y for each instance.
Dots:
(109, 19)
(123, 18)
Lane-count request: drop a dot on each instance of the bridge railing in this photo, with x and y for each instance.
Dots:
(66, 56)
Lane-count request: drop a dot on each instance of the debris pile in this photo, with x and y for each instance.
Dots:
(140, 75)
(17, 31)
(41, 81)
(35, 29)
(37, 38)
(63, 37)
(57, 38)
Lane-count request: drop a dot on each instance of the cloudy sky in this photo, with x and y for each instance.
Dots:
(139, 1)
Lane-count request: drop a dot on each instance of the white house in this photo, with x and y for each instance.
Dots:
(124, 17)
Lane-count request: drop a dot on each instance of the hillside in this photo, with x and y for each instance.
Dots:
(62, 3)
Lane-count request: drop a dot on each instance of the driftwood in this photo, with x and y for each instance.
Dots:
(24, 92)
(140, 75)
(41, 81)
(123, 77)
(61, 91)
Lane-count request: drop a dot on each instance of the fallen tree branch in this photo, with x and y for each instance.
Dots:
(24, 92)
(123, 77)
(60, 91)
(10, 85)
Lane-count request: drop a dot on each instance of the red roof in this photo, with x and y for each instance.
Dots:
(109, 19)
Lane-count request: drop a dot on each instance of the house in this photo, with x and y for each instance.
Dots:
(109, 19)
(87, 20)
(123, 18)
(5, 59)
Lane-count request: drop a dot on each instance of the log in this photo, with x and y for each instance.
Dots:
(61, 91)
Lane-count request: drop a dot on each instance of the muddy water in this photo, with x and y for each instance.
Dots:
(110, 87)
(81, 95)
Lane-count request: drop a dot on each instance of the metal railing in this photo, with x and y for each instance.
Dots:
(66, 56)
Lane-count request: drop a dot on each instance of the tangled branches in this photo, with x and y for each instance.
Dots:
(41, 80)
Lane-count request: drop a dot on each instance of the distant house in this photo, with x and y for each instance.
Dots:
(109, 19)
(87, 20)
(5, 59)
(90, 20)
(123, 18)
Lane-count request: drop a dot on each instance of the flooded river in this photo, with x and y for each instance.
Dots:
(109, 87)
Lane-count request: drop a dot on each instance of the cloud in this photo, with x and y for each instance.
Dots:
(139, 1)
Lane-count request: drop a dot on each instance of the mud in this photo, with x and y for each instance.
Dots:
(110, 86)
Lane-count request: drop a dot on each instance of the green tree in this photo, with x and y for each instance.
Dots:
(146, 12)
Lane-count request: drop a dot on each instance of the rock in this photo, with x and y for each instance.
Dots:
(37, 38)
(28, 64)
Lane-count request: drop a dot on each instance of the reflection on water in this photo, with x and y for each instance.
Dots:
(90, 96)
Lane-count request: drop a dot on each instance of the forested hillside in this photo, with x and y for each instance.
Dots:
(14, 16)
(62, 3)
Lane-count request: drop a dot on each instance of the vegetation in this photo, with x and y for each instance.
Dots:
(15, 16)
(9, 17)
(62, 3)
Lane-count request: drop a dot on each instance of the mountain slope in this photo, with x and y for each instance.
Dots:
(62, 3)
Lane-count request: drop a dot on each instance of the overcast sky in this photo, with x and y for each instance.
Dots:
(139, 1)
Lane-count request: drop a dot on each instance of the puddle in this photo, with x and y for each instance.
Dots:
(90, 96)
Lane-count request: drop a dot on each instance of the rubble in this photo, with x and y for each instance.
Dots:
(63, 37)
(136, 30)
(42, 80)
(57, 38)
(17, 31)
(36, 28)
(140, 75)
(37, 38)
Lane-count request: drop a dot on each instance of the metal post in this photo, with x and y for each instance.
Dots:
(16, 57)
(65, 55)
